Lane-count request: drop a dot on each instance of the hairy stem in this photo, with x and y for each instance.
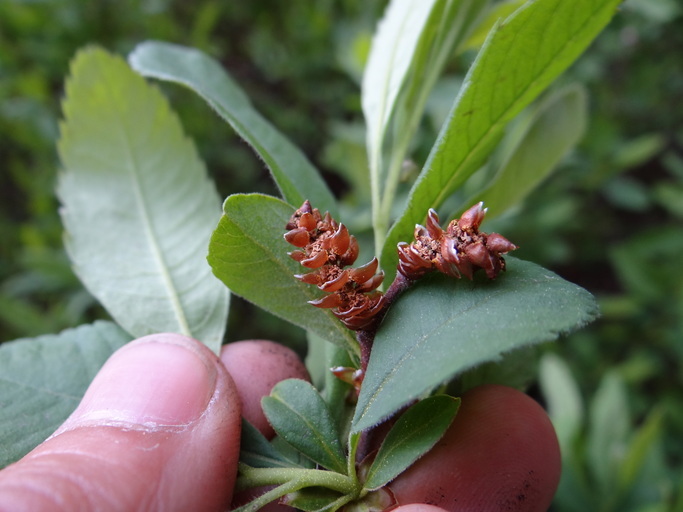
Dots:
(255, 477)
(366, 337)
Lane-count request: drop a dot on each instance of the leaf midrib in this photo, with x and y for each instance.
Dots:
(444, 191)
(327, 448)
(419, 342)
(134, 172)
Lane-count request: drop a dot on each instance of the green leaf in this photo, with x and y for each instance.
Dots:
(608, 432)
(442, 327)
(543, 137)
(137, 204)
(316, 499)
(393, 46)
(516, 369)
(257, 452)
(493, 15)
(295, 176)
(300, 416)
(642, 444)
(414, 434)
(563, 398)
(519, 59)
(43, 379)
(294, 457)
(413, 42)
(249, 254)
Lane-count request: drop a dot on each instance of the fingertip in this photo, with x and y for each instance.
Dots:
(158, 427)
(501, 452)
(257, 366)
(159, 380)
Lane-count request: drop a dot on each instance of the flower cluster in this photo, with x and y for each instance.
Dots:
(326, 246)
(457, 251)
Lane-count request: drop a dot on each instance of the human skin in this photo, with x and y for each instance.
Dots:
(158, 429)
(500, 453)
(256, 366)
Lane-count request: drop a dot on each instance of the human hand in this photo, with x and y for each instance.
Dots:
(158, 429)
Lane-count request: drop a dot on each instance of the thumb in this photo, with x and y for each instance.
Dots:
(158, 429)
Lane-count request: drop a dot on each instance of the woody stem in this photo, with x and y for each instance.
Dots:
(366, 337)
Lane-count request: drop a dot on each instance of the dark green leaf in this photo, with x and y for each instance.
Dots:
(249, 254)
(315, 499)
(138, 206)
(414, 434)
(442, 327)
(293, 173)
(519, 59)
(515, 369)
(294, 457)
(43, 379)
(257, 452)
(642, 444)
(300, 416)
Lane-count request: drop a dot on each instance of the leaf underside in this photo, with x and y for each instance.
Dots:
(137, 205)
(442, 327)
(295, 176)
(43, 379)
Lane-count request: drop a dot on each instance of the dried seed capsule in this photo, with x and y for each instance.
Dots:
(327, 246)
(459, 250)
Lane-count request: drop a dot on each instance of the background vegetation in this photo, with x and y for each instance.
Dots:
(609, 219)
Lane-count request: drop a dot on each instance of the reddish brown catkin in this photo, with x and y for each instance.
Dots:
(326, 246)
(457, 251)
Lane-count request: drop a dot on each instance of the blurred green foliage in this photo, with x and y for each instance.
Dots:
(610, 219)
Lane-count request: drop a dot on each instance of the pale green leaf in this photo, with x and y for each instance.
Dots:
(519, 59)
(563, 398)
(300, 416)
(414, 434)
(412, 45)
(544, 138)
(442, 327)
(43, 379)
(249, 254)
(137, 204)
(295, 176)
(609, 430)
(643, 442)
(390, 58)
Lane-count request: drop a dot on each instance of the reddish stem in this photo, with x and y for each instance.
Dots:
(366, 337)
